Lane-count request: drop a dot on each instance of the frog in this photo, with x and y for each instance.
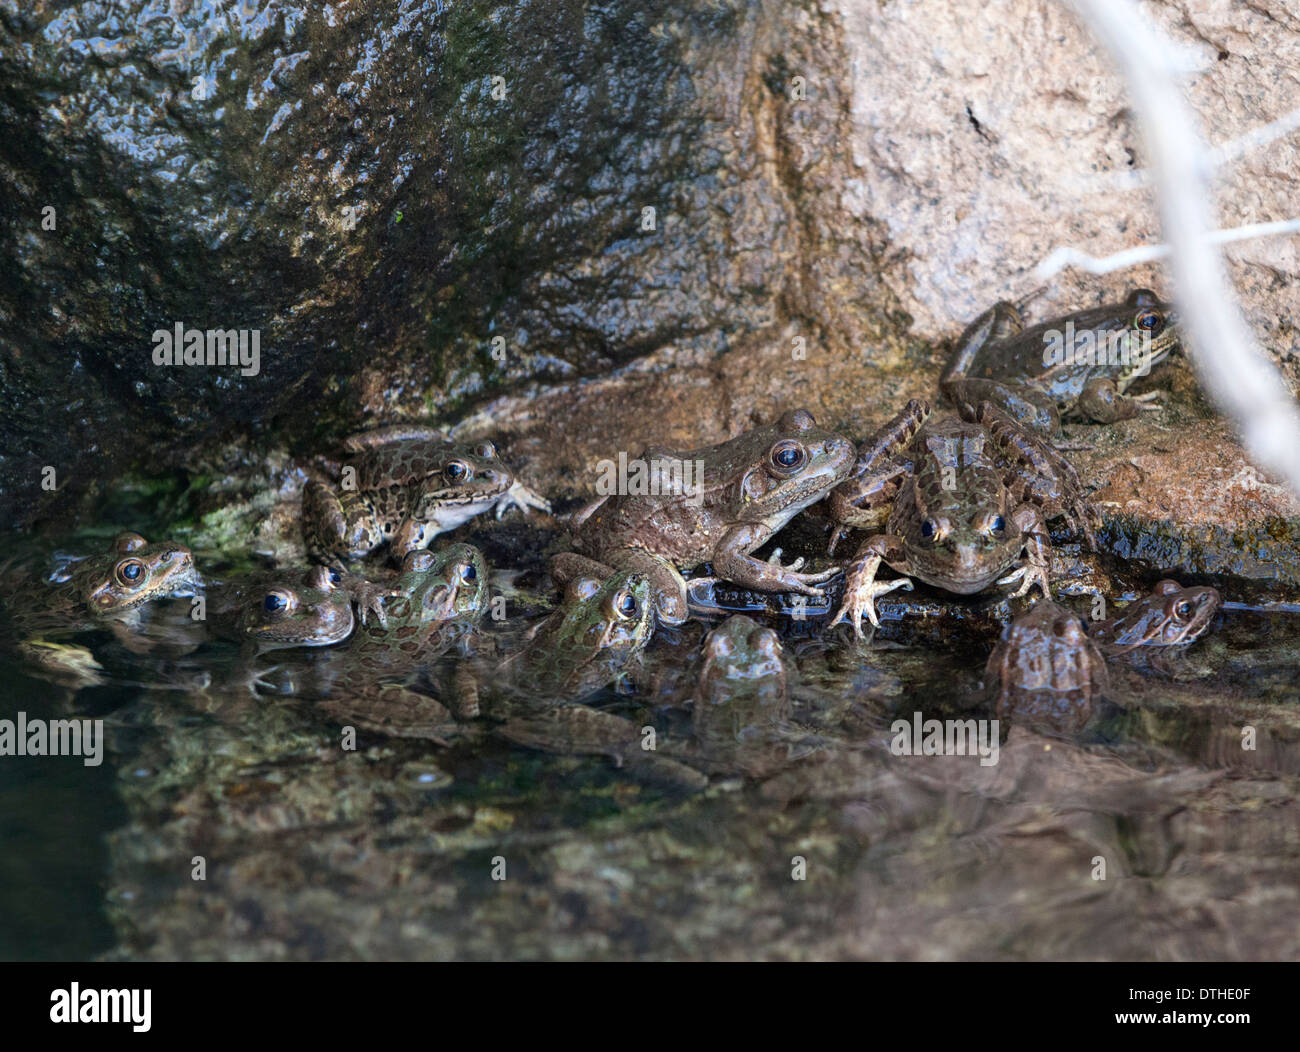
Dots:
(411, 484)
(108, 590)
(1168, 616)
(1033, 376)
(1046, 671)
(752, 486)
(960, 499)
(285, 609)
(439, 599)
(741, 714)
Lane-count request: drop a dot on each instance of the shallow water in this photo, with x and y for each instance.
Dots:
(391, 851)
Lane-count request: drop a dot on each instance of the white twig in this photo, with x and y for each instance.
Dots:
(1065, 256)
(1231, 366)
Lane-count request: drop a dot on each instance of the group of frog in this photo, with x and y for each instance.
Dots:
(962, 495)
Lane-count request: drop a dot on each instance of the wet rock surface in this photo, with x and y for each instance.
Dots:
(837, 188)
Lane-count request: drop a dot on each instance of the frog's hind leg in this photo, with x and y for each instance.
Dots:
(336, 527)
(1037, 473)
(999, 322)
(863, 499)
(1025, 402)
(569, 566)
(393, 709)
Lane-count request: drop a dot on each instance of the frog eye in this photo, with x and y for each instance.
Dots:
(788, 457)
(994, 526)
(486, 450)
(130, 571)
(626, 605)
(934, 530)
(279, 601)
(468, 572)
(335, 577)
(1149, 320)
(456, 471)
(1181, 610)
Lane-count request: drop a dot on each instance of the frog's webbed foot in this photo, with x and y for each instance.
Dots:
(860, 593)
(792, 569)
(369, 597)
(521, 497)
(1029, 575)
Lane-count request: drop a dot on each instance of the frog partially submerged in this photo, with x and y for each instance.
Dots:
(1169, 616)
(1046, 672)
(960, 500)
(1049, 670)
(439, 600)
(751, 487)
(410, 484)
(1080, 364)
(108, 590)
(279, 610)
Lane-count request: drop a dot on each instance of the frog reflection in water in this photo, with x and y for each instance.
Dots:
(437, 600)
(411, 484)
(752, 486)
(1080, 364)
(107, 591)
(1048, 670)
(960, 501)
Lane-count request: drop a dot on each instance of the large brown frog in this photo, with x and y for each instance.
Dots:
(960, 500)
(752, 485)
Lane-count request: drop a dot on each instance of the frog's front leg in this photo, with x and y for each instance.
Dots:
(863, 499)
(1101, 401)
(732, 562)
(1037, 552)
(1037, 473)
(861, 587)
(337, 527)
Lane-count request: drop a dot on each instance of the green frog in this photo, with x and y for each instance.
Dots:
(439, 599)
(1046, 671)
(960, 500)
(751, 487)
(276, 611)
(411, 484)
(1080, 364)
(1169, 616)
(101, 591)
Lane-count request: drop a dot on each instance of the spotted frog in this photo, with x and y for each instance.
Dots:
(1080, 364)
(1046, 672)
(439, 599)
(409, 485)
(108, 590)
(276, 611)
(752, 486)
(1170, 615)
(960, 500)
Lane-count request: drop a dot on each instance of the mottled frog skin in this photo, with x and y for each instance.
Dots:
(439, 600)
(1038, 378)
(411, 484)
(960, 501)
(1169, 616)
(1045, 672)
(753, 485)
(275, 611)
